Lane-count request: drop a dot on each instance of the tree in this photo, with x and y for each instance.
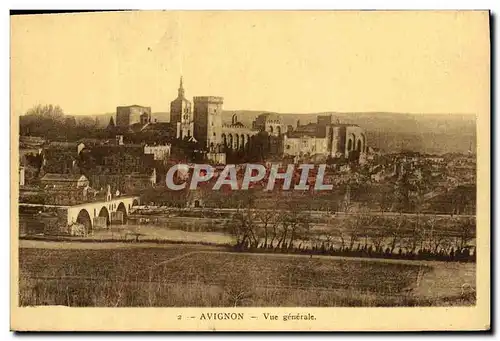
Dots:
(357, 226)
(43, 120)
(395, 230)
(467, 231)
(366, 224)
(47, 111)
(435, 238)
(402, 194)
(70, 122)
(298, 226)
(238, 289)
(242, 227)
(413, 237)
(378, 238)
(111, 124)
(268, 219)
(87, 122)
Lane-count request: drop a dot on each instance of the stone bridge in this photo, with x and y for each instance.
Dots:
(86, 212)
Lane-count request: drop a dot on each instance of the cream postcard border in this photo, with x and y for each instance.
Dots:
(327, 319)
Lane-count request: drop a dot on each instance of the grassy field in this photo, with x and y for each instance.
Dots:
(188, 276)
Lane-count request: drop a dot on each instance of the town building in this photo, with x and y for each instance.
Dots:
(270, 123)
(136, 182)
(208, 120)
(61, 157)
(64, 180)
(127, 116)
(159, 152)
(328, 139)
(236, 135)
(217, 158)
(321, 139)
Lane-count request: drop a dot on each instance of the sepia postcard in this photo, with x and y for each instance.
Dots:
(250, 171)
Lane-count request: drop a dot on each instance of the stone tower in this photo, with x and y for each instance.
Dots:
(208, 120)
(334, 140)
(181, 114)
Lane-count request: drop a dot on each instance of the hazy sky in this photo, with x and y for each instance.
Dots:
(277, 61)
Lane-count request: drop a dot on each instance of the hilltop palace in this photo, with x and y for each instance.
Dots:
(201, 121)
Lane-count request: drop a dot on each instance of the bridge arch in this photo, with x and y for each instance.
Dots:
(105, 213)
(84, 219)
(121, 208)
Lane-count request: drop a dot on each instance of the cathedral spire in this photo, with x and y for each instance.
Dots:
(181, 89)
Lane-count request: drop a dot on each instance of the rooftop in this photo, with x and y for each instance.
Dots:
(62, 144)
(234, 125)
(62, 177)
(306, 133)
(132, 106)
(270, 115)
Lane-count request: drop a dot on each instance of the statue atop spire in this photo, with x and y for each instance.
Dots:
(181, 89)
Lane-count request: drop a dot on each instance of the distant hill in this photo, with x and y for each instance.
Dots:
(429, 133)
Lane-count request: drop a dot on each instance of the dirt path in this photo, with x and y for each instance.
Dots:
(74, 245)
(214, 248)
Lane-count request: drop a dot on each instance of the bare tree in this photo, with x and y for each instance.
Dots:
(282, 232)
(394, 230)
(378, 238)
(237, 290)
(46, 111)
(467, 231)
(413, 236)
(268, 220)
(357, 226)
(242, 227)
(298, 226)
(435, 238)
(364, 222)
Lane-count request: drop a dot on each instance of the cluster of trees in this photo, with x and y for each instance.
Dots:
(268, 228)
(359, 235)
(50, 122)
